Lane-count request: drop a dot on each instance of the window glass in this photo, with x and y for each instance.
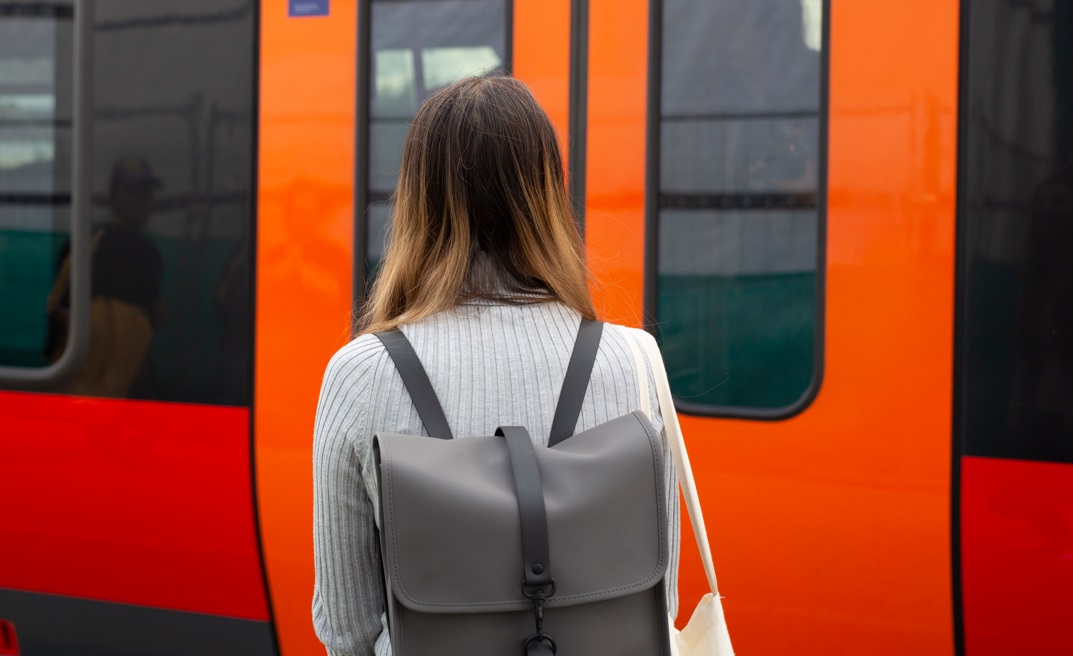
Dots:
(738, 215)
(418, 46)
(172, 201)
(395, 94)
(442, 66)
(35, 125)
(1015, 229)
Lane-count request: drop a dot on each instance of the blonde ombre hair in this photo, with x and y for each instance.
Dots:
(481, 210)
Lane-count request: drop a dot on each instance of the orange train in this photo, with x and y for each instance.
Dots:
(849, 224)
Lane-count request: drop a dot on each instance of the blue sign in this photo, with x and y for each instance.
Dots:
(303, 8)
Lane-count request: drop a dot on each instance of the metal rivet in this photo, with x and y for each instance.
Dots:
(538, 568)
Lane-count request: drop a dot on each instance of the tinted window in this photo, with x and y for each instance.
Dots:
(737, 201)
(35, 133)
(172, 198)
(417, 46)
(1016, 232)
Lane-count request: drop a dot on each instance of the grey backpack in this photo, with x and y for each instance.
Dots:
(493, 547)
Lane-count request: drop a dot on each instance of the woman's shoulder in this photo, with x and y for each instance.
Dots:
(626, 332)
(624, 337)
(361, 357)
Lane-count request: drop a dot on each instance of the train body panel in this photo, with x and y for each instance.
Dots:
(304, 281)
(131, 502)
(851, 496)
(1018, 567)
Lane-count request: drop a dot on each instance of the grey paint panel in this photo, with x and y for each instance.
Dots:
(53, 625)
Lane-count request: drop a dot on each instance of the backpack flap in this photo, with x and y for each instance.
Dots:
(452, 537)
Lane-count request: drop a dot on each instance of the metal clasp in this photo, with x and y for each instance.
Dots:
(539, 644)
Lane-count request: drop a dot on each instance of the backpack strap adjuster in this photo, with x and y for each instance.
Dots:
(539, 591)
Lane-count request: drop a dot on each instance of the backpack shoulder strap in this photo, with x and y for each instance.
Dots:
(577, 381)
(417, 383)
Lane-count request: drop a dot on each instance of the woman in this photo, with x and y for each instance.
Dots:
(485, 275)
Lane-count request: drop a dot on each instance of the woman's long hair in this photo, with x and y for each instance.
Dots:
(481, 210)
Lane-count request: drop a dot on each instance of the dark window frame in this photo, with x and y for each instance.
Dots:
(578, 122)
(362, 117)
(957, 422)
(652, 194)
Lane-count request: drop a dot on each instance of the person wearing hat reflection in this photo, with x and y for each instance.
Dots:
(125, 308)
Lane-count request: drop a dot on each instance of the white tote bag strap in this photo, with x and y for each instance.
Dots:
(673, 431)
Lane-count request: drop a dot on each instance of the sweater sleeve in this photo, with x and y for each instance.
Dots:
(347, 595)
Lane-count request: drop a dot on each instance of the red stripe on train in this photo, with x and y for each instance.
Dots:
(129, 501)
(1017, 556)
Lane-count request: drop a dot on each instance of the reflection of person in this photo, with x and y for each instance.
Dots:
(125, 294)
(232, 309)
(1043, 404)
(485, 274)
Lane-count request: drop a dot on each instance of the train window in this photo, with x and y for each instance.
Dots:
(172, 127)
(735, 203)
(1015, 233)
(414, 48)
(35, 133)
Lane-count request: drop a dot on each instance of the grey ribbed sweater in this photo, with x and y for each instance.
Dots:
(490, 365)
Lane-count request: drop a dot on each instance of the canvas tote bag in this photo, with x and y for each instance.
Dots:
(706, 633)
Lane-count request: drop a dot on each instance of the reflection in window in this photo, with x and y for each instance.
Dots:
(445, 65)
(737, 200)
(812, 23)
(1015, 323)
(172, 127)
(379, 231)
(395, 93)
(34, 170)
(192, 124)
(417, 47)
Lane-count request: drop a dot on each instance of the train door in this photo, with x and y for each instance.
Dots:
(786, 231)
(128, 519)
(339, 83)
